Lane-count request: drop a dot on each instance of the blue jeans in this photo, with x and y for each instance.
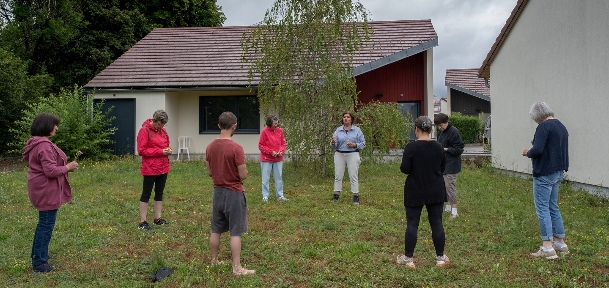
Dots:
(42, 236)
(266, 168)
(545, 194)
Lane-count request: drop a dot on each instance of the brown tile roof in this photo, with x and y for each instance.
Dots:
(210, 56)
(467, 81)
(485, 69)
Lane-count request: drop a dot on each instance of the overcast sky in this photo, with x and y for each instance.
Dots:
(466, 28)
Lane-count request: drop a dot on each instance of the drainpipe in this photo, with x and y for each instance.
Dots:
(486, 83)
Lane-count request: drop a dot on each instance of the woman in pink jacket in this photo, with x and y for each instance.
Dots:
(153, 147)
(272, 147)
(47, 184)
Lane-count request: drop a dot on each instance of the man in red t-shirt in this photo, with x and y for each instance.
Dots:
(225, 161)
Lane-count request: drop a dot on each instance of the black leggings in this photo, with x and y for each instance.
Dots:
(158, 181)
(413, 215)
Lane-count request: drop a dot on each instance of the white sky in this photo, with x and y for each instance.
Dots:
(466, 28)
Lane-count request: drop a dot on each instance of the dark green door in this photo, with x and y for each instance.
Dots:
(123, 141)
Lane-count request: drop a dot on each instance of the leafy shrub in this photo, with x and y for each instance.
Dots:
(83, 126)
(384, 128)
(16, 89)
(469, 126)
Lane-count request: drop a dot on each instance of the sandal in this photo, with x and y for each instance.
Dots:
(243, 271)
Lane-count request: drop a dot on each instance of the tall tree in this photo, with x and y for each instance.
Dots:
(74, 40)
(180, 13)
(109, 31)
(302, 53)
(36, 28)
(16, 89)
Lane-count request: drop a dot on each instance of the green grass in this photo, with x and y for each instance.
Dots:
(306, 242)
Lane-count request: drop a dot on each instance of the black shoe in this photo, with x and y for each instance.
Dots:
(161, 221)
(43, 268)
(144, 226)
(356, 199)
(335, 197)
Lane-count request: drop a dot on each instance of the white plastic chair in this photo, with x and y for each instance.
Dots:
(183, 143)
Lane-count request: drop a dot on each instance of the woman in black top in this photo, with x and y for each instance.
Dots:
(424, 163)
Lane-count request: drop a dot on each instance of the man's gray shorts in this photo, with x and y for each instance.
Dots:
(229, 212)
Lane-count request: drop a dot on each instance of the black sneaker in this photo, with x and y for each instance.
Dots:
(356, 199)
(144, 226)
(335, 197)
(43, 268)
(160, 221)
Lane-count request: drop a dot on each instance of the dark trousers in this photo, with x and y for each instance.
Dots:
(413, 216)
(158, 181)
(42, 236)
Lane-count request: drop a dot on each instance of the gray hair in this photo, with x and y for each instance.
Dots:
(540, 111)
(160, 116)
(270, 119)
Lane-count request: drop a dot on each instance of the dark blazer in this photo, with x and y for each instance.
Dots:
(451, 138)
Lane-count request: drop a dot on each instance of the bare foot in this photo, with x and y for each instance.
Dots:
(243, 271)
(216, 262)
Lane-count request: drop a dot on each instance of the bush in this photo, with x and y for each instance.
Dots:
(16, 89)
(83, 126)
(384, 128)
(469, 126)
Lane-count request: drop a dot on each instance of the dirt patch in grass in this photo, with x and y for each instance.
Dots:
(11, 164)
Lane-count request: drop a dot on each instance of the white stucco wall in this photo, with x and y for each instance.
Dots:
(429, 96)
(183, 111)
(145, 105)
(557, 53)
(188, 122)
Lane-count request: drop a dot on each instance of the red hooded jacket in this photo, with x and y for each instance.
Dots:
(47, 176)
(150, 145)
(271, 139)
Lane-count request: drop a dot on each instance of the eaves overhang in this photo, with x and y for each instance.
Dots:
(467, 91)
(367, 67)
(172, 89)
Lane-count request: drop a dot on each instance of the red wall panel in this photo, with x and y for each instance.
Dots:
(403, 80)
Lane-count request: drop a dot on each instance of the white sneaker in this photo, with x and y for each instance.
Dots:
(405, 261)
(547, 254)
(563, 249)
(441, 261)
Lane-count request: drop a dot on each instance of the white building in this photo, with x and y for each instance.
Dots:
(553, 51)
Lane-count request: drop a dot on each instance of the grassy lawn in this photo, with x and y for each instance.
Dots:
(306, 242)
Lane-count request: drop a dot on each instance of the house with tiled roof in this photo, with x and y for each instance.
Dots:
(467, 93)
(196, 73)
(555, 52)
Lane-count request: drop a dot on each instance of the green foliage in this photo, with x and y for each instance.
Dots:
(16, 89)
(75, 40)
(180, 13)
(38, 29)
(83, 126)
(470, 127)
(384, 128)
(105, 35)
(302, 54)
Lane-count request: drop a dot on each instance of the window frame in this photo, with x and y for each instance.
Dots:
(236, 109)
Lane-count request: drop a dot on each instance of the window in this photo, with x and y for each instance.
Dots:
(246, 108)
(411, 110)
